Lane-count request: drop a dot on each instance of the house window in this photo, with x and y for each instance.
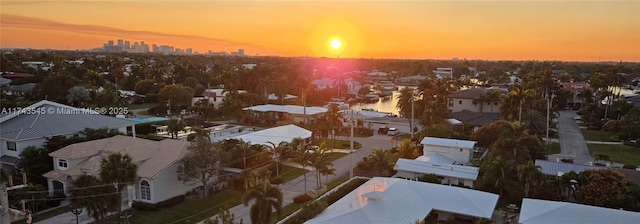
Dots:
(11, 146)
(451, 103)
(145, 190)
(460, 150)
(460, 182)
(459, 101)
(62, 163)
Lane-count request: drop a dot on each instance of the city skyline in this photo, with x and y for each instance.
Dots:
(532, 30)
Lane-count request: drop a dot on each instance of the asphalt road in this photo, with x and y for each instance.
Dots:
(572, 143)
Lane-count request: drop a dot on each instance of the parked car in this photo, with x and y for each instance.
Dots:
(393, 131)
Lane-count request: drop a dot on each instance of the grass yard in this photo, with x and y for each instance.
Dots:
(554, 148)
(617, 153)
(599, 135)
(291, 208)
(288, 173)
(191, 210)
(342, 144)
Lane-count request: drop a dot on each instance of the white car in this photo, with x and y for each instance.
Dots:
(393, 131)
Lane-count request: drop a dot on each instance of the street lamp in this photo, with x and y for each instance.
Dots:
(77, 211)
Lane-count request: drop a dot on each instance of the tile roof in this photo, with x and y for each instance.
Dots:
(393, 200)
(535, 211)
(24, 126)
(559, 168)
(151, 156)
(632, 175)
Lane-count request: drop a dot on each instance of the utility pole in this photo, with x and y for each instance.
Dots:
(351, 148)
(549, 103)
(412, 112)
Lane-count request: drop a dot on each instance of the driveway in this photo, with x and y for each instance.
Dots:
(572, 143)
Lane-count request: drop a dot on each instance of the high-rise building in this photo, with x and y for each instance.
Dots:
(189, 51)
(110, 43)
(120, 42)
(127, 44)
(240, 52)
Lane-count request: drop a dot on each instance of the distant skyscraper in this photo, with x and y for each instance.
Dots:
(189, 51)
(241, 52)
(120, 42)
(110, 43)
(127, 44)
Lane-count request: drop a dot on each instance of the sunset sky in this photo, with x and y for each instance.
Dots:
(522, 30)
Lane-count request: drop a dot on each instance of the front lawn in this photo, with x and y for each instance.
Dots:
(617, 153)
(554, 148)
(191, 210)
(342, 144)
(599, 135)
(288, 173)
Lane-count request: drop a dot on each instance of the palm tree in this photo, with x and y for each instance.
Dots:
(175, 126)
(334, 121)
(382, 160)
(405, 104)
(320, 160)
(120, 170)
(302, 157)
(267, 198)
(407, 150)
(201, 132)
(278, 151)
(249, 178)
(326, 171)
(529, 174)
(244, 147)
(95, 196)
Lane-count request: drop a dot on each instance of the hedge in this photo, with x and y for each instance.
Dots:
(316, 207)
(143, 206)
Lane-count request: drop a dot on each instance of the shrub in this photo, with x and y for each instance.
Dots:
(612, 126)
(299, 199)
(143, 206)
(566, 160)
(629, 166)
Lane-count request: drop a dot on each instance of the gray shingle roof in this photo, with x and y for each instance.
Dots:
(51, 123)
(475, 118)
(556, 168)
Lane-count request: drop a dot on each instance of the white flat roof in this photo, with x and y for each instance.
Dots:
(448, 142)
(292, 109)
(445, 170)
(276, 135)
(394, 200)
(534, 211)
(436, 158)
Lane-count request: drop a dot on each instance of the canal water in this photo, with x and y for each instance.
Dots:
(385, 104)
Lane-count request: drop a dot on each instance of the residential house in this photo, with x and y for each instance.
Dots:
(285, 133)
(576, 89)
(471, 100)
(376, 76)
(157, 161)
(213, 97)
(536, 211)
(18, 90)
(393, 200)
(410, 80)
(38, 65)
(443, 73)
(474, 119)
(635, 100)
(34, 124)
(4, 82)
(460, 151)
(559, 168)
(402, 124)
(324, 83)
(288, 113)
(441, 166)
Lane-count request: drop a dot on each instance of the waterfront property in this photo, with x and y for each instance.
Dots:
(287, 113)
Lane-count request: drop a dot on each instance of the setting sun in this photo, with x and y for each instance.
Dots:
(336, 44)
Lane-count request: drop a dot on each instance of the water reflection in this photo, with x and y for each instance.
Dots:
(385, 104)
